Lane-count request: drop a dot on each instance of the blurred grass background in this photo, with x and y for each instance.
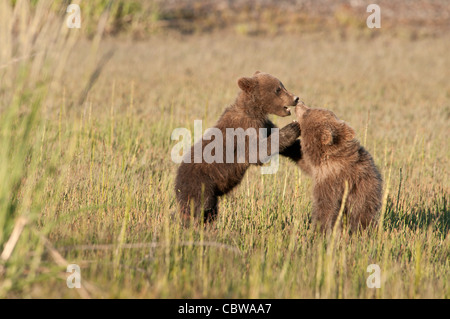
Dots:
(85, 123)
(141, 19)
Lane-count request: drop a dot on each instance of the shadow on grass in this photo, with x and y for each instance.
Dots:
(435, 214)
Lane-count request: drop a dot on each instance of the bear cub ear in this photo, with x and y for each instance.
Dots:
(327, 136)
(247, 84)
(348, 132)
(256, 73)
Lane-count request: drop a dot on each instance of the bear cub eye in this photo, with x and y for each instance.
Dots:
(278, 91)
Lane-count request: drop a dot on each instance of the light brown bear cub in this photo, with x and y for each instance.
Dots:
(332, 156)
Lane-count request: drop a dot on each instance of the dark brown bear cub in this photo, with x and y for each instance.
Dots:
(332, 156)
(198, 185)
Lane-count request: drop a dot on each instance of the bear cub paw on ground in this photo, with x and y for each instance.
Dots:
(332, 156)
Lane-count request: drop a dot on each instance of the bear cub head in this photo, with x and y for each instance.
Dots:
(322, 131)
(267, 94)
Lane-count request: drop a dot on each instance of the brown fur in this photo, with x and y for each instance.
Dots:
(198, 185)
(332, 155)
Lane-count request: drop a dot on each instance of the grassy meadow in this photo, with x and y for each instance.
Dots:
(87, 176)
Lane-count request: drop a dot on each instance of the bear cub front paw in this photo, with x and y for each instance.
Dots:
(290, 132)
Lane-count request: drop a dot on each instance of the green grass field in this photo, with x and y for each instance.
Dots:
(87, 176)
